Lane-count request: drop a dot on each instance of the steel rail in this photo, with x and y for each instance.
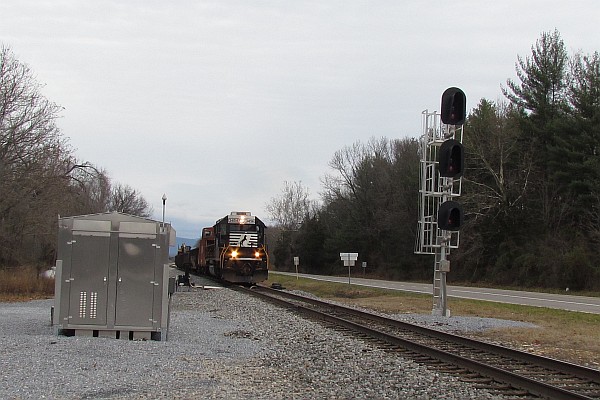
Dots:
(532, 386)
(546, 362)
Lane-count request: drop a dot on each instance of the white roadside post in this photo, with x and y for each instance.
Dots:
(296, 263)
(164, 200)
(364, 265)
(349, 259)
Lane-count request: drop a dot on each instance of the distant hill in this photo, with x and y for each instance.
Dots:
(180, 241)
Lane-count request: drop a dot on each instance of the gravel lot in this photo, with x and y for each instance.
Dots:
(222, 345)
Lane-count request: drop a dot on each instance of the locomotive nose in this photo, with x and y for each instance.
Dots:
(247, 269)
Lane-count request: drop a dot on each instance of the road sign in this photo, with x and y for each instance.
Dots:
(349, 256)
(349, 259)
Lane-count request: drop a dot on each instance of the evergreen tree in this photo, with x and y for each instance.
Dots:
(582, 174)
(543, 81)
(541, 95)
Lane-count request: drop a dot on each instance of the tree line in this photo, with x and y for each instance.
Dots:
(40, 176)
(531, 188)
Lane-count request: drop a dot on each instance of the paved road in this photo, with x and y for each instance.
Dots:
(559, 301)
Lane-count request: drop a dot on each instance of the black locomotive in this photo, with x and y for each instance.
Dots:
(233, 249)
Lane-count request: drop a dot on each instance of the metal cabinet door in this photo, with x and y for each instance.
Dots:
(89, 279)
(135, 282)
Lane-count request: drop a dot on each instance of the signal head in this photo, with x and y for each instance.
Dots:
(450, 216)
(454, 106)
(451, 159)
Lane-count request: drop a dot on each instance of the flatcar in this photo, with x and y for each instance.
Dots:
(233, 250)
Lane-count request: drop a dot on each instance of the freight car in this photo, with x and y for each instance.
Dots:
(233, 249)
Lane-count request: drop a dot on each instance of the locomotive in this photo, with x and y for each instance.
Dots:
(233, 250)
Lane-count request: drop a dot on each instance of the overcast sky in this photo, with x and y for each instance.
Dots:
(217, 103)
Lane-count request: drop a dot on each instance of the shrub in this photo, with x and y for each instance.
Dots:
(24, 283)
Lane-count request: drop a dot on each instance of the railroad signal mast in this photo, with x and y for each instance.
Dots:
(442, 166)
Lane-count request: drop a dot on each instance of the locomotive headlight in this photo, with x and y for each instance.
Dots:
(234, 254)
(257, 254)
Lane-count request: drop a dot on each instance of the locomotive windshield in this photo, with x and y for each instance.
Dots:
(244, 228)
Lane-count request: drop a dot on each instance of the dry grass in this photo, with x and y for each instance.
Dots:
(24, 283)
(564, 335)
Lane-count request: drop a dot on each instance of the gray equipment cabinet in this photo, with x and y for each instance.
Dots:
(112, 276)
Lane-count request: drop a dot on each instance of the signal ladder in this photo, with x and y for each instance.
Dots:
(435, 190)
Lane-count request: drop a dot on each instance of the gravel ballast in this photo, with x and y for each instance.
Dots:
(222, 345)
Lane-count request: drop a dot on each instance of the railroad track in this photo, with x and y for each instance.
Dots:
(505, 371)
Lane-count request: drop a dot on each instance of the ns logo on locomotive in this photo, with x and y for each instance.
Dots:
(233, 249)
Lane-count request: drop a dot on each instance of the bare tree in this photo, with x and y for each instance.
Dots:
(369, 201)
(31, 148)
(500, 165)
(90, 187)
(291, 208)
(125, 199)
(39, 176)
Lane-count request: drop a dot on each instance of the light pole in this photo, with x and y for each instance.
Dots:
(164, 199)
